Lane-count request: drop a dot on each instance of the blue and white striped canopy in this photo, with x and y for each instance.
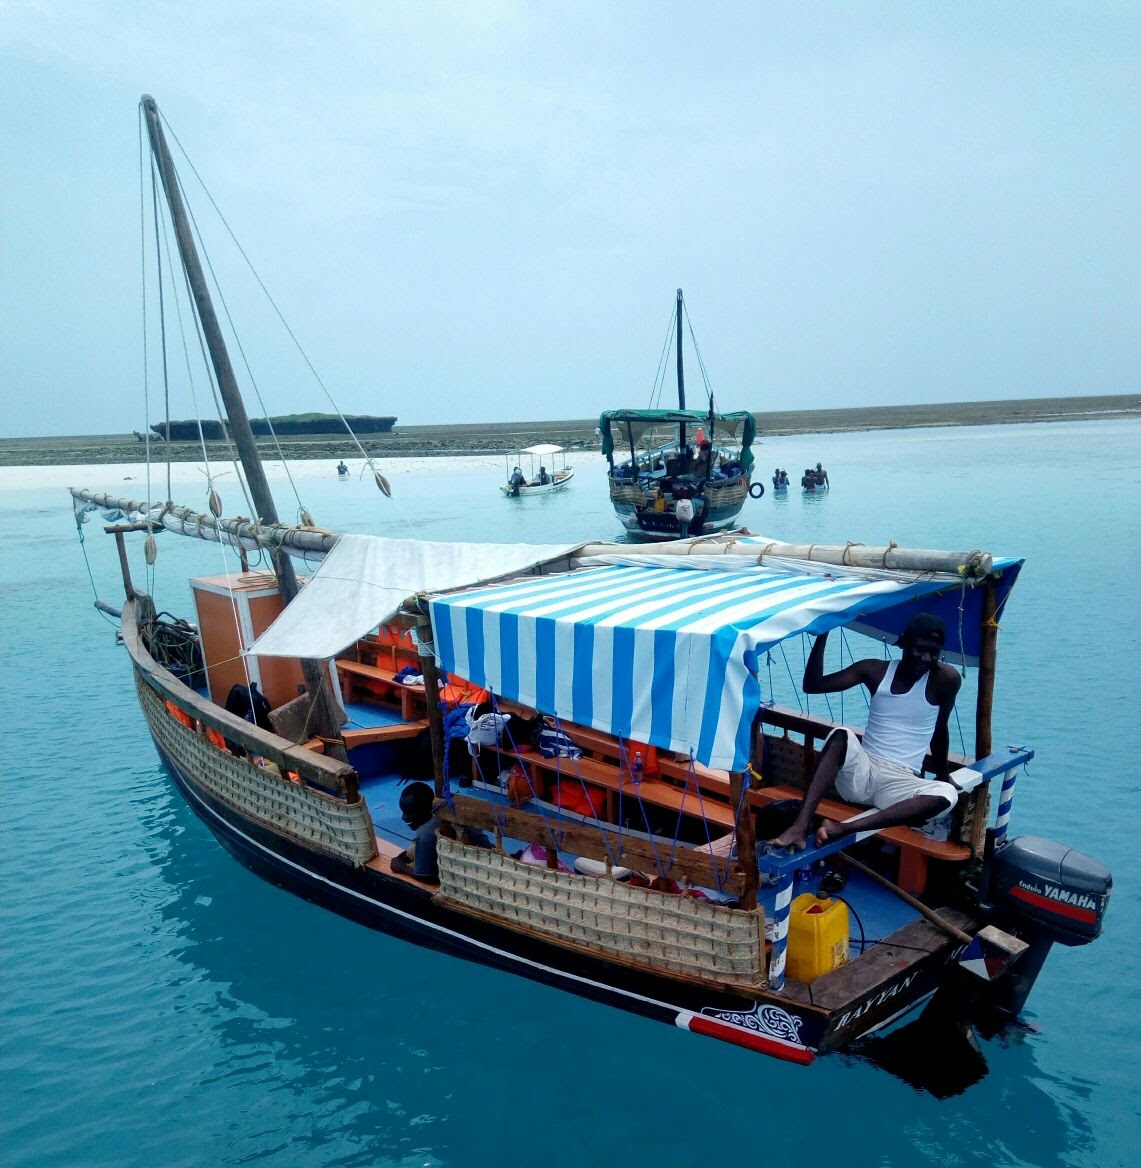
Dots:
(665, 655)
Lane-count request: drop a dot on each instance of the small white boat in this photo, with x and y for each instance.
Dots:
(548, 469)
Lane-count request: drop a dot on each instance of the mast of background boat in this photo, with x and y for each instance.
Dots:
(709, 438)
(680, 376)
(325, 723)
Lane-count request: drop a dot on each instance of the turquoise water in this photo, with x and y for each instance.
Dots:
(164, 1007)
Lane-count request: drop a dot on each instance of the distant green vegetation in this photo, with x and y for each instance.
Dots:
(186, 429)
(309, 417)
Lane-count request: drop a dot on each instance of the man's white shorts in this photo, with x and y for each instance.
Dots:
(878, 782)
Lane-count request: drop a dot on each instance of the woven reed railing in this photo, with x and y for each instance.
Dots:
(331, 825)
(725, 492)
(639, 926)
(627, 493)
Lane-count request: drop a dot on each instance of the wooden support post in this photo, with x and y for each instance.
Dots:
(121, 544)
(746, 837)
(432, 696)
(988, 651)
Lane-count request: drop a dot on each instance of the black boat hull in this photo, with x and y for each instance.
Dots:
(773, 1025)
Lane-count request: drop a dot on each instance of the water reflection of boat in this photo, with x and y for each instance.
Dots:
(628, 738)
(678, 472)
(539, 478)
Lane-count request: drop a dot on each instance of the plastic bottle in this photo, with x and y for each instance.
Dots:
(638, 767)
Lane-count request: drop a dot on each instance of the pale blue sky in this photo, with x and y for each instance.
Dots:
(481, 211)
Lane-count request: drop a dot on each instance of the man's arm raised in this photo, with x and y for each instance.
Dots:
(866, 672)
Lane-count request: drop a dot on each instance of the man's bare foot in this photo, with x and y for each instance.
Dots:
(792, 838)
(828, 830)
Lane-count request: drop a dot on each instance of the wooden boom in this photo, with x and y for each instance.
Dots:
(239, 532)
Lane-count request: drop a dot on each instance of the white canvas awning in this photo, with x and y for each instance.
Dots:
(365, 578)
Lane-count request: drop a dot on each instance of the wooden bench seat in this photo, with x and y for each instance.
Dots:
(606, 746)
(683, 770)
(610, 778)
(356, 676)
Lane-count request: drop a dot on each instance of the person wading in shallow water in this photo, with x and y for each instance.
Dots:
(911, 705)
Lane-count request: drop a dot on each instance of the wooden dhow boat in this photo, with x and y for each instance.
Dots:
(676, 472)
(634, 750)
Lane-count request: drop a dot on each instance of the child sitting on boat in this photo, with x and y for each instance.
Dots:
(419, 858)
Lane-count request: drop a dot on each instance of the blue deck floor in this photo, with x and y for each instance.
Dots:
(362, 715)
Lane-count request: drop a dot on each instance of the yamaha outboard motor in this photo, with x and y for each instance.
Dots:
(1044, 892)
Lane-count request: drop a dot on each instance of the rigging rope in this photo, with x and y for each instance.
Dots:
(143, 272)
(660, 375)
(162, 322)
(586, 793)
(795, 687)
(697, 351)
(234, 332)
(273, 304)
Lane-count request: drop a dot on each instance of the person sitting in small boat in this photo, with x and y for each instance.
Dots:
(341, 468)
(911, 705)
(419, 858)
(517, 479)
(544, 477)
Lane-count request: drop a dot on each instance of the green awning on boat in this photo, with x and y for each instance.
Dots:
(646, 430)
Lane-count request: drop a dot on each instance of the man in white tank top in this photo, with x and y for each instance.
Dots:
(910, 709)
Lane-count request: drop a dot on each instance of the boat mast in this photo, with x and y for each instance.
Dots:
(219, 356)
(680, 373)
(231, 396)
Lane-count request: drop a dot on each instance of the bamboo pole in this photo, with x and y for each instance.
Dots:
(746, 838)
(969, 564)
(240, 532)
(303, 541)
(929, 914)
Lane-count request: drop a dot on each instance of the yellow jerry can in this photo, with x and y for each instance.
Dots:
(817, 936)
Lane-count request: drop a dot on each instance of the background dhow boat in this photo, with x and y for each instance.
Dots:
(677, 472)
